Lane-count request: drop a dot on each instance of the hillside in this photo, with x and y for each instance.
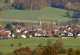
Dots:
(46, 14)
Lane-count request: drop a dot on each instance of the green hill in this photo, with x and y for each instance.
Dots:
(46, 14)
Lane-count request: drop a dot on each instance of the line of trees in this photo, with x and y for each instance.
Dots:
(51, 49)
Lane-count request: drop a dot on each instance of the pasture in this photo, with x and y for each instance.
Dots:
(47, 15)
(7, 46)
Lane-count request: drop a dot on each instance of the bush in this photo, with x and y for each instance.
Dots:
(19, 44)
(70, 51)
(23, 51)
(50, 50)
(47, 50)
(11, 45)
(62, 51)
(58, 44)
(39, 51)
(40, 45)
(77, 52)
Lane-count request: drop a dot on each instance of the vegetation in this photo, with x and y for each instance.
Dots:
(47, 50)
(23, 51)
(8, 46)
(46, 14)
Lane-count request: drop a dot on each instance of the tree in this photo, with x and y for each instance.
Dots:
(70, 51)
(68, 14)
(12, 45)
(9, 26)
(77, 52)
(23, 51)
(19, 44)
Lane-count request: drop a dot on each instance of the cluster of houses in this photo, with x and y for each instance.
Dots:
(21, 30)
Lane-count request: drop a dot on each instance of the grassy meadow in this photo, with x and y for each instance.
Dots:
(7, 46)
(46, 15)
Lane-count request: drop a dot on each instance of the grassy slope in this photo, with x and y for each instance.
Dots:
(33, 42)
(46, 14)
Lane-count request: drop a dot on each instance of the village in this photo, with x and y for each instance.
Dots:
(39, 27)
(22, 30)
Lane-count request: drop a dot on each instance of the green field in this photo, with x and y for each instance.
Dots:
(46, 14)
(5, 45)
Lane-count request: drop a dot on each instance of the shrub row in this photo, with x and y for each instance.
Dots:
(51, 49)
